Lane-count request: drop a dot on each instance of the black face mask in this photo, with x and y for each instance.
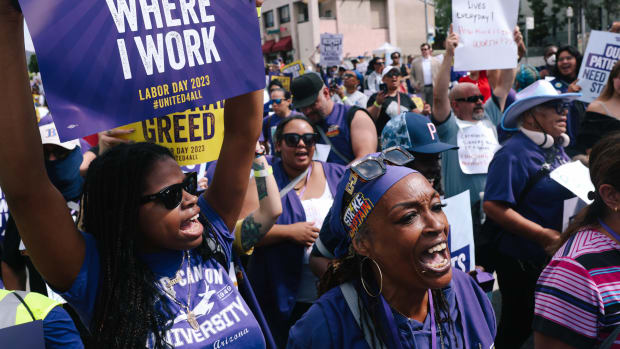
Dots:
(65, 174)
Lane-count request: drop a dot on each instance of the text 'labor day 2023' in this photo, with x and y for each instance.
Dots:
(110, 63)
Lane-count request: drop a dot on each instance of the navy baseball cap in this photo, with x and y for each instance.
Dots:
(305, 89)
(415, 132)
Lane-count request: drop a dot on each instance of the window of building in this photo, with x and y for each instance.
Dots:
(327, 9)
(268, 17)
(378, 14)
(284, 15)
(302, 12)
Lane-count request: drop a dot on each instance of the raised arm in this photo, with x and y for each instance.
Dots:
(242, 126)
(507, 76)
(39, 210)
(363, 135)
(441, 98)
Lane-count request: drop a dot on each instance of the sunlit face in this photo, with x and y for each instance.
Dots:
(350, 79)
(282, 108)
(392, 79)
(297, 157)
(468, 111)
(547, 120)
(567, 64)
(164, 229)
(409, 235)
(426, 51)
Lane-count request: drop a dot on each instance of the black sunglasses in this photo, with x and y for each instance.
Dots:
(292, 139)
(277, 100)
(471, 99)
(346, 76)
(172, 196)
(371, 167)
(560, 107)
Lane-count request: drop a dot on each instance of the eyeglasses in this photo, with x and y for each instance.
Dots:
(371, 167)
(380, 63)
(277, 100)
(292, 139)
(559, 107)
(471, 99)
(172, 196)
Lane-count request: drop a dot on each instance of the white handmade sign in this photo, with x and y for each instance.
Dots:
(602, 53)
(477, 144)
(485, 34)
(575, 177)
(331, 49)
(458, 212)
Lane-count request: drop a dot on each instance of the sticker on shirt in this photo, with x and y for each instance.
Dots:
(216, 308)
(333, 131)
(477, 144)
(321, 152)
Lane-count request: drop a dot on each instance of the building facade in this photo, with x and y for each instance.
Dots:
(291, 29)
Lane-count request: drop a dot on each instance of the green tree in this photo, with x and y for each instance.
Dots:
(538, 36)
(33, 64)
(443, 18)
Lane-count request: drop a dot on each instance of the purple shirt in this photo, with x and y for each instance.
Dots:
(222, 314)
(337, 128)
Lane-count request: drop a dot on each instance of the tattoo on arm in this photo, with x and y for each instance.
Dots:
(261, 187)
(250, 232)
(257, 166)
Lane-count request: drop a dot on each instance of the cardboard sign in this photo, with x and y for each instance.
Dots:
(458, 212)
(331, 49)
(485, 34)
(285, 79)
(296, 69)
(194, 136)
(602, 53)
(575, 177)
(113, 62)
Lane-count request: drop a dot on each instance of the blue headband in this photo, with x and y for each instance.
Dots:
(342, 223)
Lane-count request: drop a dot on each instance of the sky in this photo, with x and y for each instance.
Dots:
(27, 39)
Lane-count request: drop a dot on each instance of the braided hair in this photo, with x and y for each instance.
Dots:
(124, 312)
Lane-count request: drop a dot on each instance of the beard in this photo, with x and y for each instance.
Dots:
(478, 114)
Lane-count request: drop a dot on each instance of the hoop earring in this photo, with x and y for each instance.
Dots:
(362, 277)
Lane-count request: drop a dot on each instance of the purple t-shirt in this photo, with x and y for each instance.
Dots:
(224, 319)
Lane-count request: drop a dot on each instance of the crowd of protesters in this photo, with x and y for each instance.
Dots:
(321, 224)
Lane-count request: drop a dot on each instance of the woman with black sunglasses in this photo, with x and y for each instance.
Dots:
(279, 267)
(151, 267)
(526, 205)
(392, 284)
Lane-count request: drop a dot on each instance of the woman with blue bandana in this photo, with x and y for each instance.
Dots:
(392, 284)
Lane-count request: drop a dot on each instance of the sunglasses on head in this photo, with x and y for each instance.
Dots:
(292, 139)
(471, 99)
(171, 196)
(371, 167)
(560, 106)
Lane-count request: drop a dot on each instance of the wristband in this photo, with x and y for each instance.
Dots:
(263, 173)
(376, 105)
(344, 98)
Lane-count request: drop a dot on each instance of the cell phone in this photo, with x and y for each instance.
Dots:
(383, 87)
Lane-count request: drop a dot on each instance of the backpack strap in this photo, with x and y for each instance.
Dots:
(609, 341)
(350, 296)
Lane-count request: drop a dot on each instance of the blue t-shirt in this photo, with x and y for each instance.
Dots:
(329, 323)
(223, 316)
(59, 330)
(455, 181)
(509, 172)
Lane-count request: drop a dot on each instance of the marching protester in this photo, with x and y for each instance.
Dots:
(576, 294)
(281, 104)
(392, 284)
(390, 102)
(349, 131)
(279, 265)
(418, 135)
(423, 72)
(550, 58)
(525, 203)
(350, 95)
(603, 115)
(462, 110)
(373, 79)
(143, 228)
(565, 72)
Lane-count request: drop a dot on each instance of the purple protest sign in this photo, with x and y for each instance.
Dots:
(110, 63)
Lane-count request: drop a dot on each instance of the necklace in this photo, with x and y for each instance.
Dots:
(169, 291)
(303, 188)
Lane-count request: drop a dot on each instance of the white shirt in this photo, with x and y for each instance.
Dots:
(356, 98)
(373, 80)
(427, 71)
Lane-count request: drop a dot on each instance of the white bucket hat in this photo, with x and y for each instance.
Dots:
(537, 93)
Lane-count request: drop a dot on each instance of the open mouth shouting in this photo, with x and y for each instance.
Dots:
(436, 259)
(191, 228)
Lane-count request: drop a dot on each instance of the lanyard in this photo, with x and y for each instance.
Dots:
(432, 315)
(303, 190)
(609, 230)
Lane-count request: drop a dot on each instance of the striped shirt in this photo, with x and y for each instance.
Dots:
(578, 294)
